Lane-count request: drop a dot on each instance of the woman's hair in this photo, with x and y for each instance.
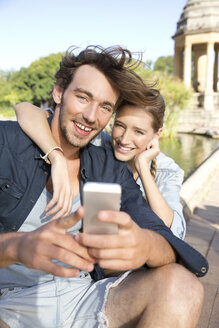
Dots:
(156, 112)
(153, 169)
(116, 63)
(155, 109)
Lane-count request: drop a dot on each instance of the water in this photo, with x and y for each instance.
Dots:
(188, 150)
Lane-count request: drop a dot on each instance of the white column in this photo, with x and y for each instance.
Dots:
(209, 101)
(216, 70)
(187, 64)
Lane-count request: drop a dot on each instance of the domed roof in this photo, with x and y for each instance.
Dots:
(199, 16)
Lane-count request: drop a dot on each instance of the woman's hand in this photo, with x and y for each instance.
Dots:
(61, 202)
(148, 155)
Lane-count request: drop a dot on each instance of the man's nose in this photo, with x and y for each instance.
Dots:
(90, 114)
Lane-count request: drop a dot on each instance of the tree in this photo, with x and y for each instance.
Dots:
(176, 95)
(34, 84)
(164, 65)
(8, 96)
(42, 77)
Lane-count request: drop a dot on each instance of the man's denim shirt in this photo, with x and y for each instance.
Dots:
(23, 175)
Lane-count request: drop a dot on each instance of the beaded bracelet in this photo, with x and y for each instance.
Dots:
(45, 157)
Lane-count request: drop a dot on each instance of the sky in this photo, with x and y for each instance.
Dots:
(30, 30)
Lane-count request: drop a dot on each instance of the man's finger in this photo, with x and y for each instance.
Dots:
(127, 254)
(120, 218)
(100, 241)
(58, 270)
(70, 220)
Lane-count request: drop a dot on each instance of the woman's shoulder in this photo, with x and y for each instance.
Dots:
(166, 163)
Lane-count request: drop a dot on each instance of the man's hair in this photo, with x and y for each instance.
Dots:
(116, 63)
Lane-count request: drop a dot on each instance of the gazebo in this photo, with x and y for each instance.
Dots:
(196, 50)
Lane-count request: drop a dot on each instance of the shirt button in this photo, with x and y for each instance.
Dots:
(14, 227)
(203, 269)
(7, 186)
(32, 201)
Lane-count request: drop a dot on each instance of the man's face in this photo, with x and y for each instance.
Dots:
(86, 106)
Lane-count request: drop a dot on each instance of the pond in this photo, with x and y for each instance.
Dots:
(188, 150)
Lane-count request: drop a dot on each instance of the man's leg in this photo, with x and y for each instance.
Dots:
(3, 324)
(166, 297)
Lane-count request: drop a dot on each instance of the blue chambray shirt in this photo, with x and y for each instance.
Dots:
(23, 175)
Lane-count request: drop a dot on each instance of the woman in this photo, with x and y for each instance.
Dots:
(135, 140)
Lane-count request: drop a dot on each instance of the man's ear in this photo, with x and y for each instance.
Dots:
(57, 94)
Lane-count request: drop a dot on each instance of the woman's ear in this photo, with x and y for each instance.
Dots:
(57, 94)
(158, 133)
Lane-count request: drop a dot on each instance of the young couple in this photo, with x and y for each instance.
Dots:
(135, 140)
(51, 273)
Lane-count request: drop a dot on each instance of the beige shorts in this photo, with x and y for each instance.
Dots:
(64, 303)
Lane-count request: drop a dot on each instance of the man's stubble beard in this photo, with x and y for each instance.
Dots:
(71, 139)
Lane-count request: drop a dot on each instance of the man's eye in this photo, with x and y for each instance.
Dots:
(81, 97)
(108, 109)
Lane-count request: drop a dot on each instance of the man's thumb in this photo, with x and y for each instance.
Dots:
(70, 220)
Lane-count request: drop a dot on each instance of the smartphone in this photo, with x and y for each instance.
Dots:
(100, 196)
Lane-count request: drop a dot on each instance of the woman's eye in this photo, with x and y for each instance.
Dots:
(117, 124)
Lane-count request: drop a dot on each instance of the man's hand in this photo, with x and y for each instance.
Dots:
(37, 249)
(130, 249)
(124, 251)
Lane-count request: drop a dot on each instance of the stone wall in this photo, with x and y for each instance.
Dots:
(197, 185)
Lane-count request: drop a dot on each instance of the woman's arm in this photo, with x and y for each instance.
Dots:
(154, 197)
(33, 122)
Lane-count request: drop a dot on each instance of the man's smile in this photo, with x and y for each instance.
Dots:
(82, 129)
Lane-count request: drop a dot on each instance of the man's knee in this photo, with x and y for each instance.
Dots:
(181, 285)
(3, 324)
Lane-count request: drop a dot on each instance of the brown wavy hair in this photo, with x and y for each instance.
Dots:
(116, 63)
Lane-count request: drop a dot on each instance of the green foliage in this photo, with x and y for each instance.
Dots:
(164, 64)
(34, 84)
(8, 97)
(42, 75)
(177, 96)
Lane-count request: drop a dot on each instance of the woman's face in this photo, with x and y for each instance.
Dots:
(132, 131)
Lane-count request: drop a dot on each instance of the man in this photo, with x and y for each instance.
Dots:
(51, 275)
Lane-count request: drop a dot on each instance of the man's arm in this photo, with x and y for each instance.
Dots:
(8, 248)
